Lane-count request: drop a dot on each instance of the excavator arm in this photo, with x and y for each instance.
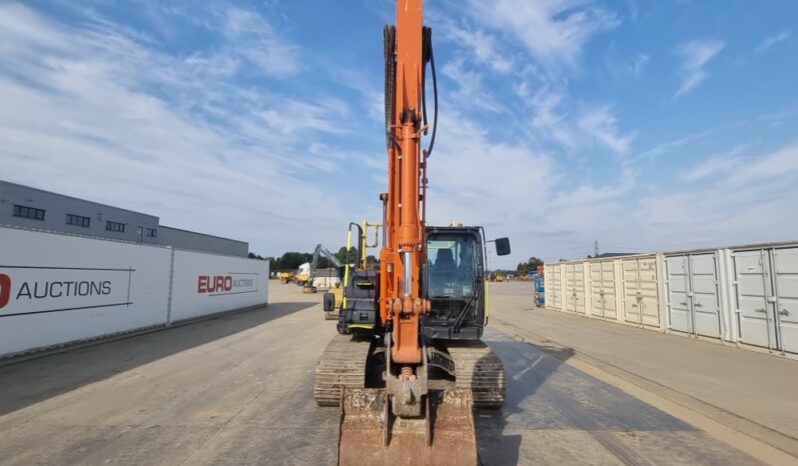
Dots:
(401, 301)
(322, 251)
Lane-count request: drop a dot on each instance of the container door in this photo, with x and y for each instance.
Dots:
(575, 280)
(580, 289)
(561, 287)
(704, 295)
(554, 287)
(647, 291)
(596, 285)
(679, 293)
(569, 282)
(609, 300)
(631, 304)
(754, 287)
(786, 273)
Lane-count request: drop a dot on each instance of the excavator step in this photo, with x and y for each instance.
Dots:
(478, 368)
(343, 364)
(370, 435)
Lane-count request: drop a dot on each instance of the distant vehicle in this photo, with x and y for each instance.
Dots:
(302, 274)
(540, 299)
(286, 277)
(309, 277)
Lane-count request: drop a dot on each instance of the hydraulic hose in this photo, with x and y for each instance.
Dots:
(431, 56)
(389, 46)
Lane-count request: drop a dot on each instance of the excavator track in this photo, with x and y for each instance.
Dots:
(343, 364)
(478, 368)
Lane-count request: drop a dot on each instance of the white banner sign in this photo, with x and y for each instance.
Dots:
(39, 290)
(57, 288)
(208, 283)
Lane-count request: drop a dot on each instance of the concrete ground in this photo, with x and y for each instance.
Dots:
(751, 392)
(238, 389)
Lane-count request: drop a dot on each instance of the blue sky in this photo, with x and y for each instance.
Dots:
(645, 125)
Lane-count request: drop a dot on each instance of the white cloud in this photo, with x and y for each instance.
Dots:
(592, 195)
(639, 62)
(548, 120)
(721, 210)
(601, 124)
(291, 117)
(553, 31)
(770, 41)
(732, 209)
(479, 180)
(666, 147)
(775, 168)
(471, 92)
(257, 41)
(97, 114)
(483, 45)
(370, 90)
(716, 165)
(695, 55)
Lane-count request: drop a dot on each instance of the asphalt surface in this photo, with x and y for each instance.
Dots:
(238, 390)
(749, 391)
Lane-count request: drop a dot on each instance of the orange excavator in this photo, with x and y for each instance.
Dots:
(408, 367)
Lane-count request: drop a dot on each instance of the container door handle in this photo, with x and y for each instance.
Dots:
(784, 312)
(761, 310)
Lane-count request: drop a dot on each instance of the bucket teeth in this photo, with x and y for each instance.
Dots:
(370, 435)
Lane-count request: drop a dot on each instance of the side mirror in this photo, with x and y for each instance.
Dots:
(502, 246)
(329, 302)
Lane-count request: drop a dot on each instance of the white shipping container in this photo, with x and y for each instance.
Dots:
(604, 298)
(640, 288)
(745, 294)
(554, 289)
(575, 282)
(694, 293)
(209, 283)
(766, 296)
(58, 288)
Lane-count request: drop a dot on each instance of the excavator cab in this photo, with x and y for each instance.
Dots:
(455, 284)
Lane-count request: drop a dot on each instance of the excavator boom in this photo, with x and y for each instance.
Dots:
(404, 254)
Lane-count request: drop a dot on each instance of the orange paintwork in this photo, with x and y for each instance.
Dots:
(404, 223)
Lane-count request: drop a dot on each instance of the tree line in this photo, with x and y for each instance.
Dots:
(291, 260)
(524, 268)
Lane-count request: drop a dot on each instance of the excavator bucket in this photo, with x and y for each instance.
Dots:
(371, 435)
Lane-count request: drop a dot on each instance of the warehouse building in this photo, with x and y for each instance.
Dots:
(26, 207)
